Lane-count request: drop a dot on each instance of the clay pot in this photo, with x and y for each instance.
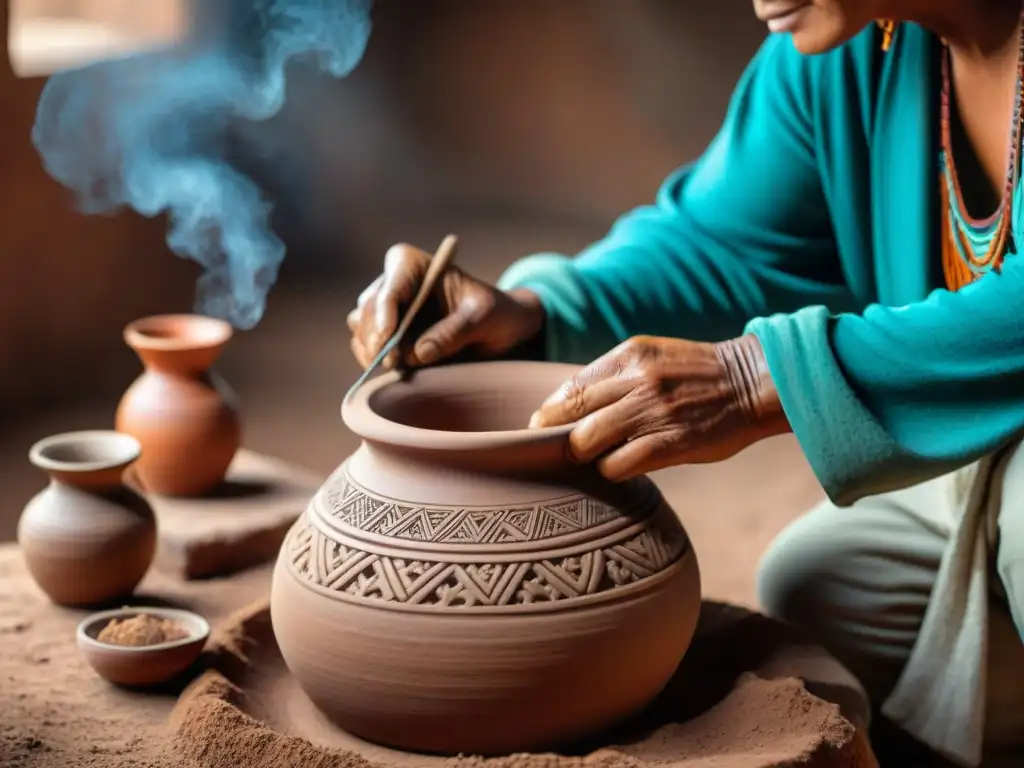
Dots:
(87, 538)
(182, 413)
(459, 585)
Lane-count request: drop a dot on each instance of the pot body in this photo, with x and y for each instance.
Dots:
(189, 427)
(418, 615)
(87, 547)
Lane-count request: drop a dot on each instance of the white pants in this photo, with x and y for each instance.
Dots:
(920, 593)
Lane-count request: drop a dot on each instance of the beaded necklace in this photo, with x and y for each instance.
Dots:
(972, 247)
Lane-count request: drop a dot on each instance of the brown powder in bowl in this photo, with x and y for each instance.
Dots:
(141, 630)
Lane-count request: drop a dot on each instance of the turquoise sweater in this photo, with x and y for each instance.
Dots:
(812, 221)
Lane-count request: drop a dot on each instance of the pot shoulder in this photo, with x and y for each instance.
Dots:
(62, 512)
(156, 394)
(354, 543)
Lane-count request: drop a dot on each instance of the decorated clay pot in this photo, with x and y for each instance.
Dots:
(182, 413)
(459, 585)
(87, 538)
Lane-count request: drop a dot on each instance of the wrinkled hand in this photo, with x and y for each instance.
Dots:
(655, 402)
(464, 314)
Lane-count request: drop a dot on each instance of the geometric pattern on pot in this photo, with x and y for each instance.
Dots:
(613, 564)
(355, 506)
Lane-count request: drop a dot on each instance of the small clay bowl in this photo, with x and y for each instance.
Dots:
(140, 666)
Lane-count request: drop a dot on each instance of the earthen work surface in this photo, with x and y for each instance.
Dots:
(248, 710)
(58, 713)
(54, 711)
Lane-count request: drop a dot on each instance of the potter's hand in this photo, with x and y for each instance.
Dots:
(654, 402)
(464, 315)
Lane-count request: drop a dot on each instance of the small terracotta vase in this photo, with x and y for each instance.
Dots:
(182, 413)
(87, 538)
(460, 586)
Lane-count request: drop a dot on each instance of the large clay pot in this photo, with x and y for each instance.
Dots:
(87, 538)
(459, 585)
(182, 413)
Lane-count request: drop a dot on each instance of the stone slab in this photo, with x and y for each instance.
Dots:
(237, 527)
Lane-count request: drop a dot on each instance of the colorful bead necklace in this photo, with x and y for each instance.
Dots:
(972, 247)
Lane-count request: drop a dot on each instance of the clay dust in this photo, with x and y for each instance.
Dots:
(248, 711)
(56, 712)
(141, 630)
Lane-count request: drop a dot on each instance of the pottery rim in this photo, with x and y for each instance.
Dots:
(198, 628)
(172, 333)
(360, 416)
(87, 451)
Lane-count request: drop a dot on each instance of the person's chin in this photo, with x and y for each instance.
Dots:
(812, 32)
(811, 42)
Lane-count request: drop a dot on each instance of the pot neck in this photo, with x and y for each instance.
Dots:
(97, 481)
(531, 455)
(185, 361)
(421, 474)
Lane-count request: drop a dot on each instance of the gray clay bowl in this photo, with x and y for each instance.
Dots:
(140, 666)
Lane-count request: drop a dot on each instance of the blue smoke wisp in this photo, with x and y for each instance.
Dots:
(152, 132)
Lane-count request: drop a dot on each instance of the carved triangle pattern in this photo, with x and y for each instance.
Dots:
(452, 525)
(319, 560)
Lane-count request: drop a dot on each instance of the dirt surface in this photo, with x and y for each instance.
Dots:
(57, 712)
(724, 709)
(54, 710)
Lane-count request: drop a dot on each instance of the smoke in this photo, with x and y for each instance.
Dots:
(154, 132)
